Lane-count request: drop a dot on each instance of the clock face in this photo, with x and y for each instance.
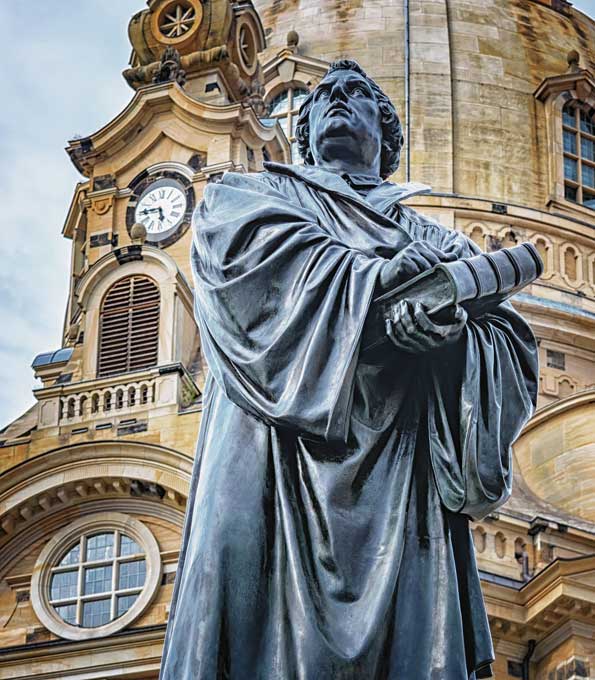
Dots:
(161, 207)
(162, 200)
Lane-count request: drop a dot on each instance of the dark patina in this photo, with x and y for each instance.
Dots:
(327, 535)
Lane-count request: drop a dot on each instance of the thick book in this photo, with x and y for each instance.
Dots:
(477, 283)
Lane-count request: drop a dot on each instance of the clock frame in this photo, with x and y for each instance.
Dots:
(144, 182)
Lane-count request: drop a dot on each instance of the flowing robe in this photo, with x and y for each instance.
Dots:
(327, 533)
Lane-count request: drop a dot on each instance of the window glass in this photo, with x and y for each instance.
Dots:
(63, 585)
(125, 602)
(132, 574)
(87, 590)
(569, 116)
(129, 547)
(570, 142)
(98, 580)
(588, 172)
(588, 149)
(100, 547)
(72, 556)
(579, 153)
(280, 104)
(96, 613)
(570, 193)
(571, 169)
(587, 124)
(68, 613)
(284, 108)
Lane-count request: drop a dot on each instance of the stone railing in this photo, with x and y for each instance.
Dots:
(159, 389)
(124, 397)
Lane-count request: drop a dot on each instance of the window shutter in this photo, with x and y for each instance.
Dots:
(129, 326)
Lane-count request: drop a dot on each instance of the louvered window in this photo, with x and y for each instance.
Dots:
(129, 326)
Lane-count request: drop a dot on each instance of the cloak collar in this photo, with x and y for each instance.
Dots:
(381, 198)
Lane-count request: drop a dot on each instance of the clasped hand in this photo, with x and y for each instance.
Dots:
(411, 329)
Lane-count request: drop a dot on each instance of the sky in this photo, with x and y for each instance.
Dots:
(61, 78)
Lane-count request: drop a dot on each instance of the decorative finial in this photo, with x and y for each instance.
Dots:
(170, 68)
(573, 59)
(138, 233)
(293, 40)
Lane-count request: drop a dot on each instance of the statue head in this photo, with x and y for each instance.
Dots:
(348, 114)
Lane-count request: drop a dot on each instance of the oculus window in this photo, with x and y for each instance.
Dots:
(96, 576)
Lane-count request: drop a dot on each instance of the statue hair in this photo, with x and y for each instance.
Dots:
(392, 132)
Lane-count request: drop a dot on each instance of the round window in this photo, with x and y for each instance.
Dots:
(246, 46)
(177, 20)
(96, 576)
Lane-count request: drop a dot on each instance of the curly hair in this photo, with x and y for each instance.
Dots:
(392, 133)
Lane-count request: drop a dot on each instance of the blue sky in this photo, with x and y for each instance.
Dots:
(64, 78)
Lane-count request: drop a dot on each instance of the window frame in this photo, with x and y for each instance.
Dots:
(48, 564)
(579, 134)
(291, 113)
(555, 92)
(131, 310)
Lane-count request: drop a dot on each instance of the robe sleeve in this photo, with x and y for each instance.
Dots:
(484, 390)
(280, 305)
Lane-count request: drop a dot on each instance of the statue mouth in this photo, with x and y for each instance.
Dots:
(336, 109)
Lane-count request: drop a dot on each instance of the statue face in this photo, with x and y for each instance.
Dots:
(345, 120)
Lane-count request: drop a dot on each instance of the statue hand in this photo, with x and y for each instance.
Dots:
(413, 331)
(414, 259)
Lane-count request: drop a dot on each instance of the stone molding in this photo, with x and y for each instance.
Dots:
(291, 69)
(173, 287)
(229, 121)
(84, 472)
(559, 592)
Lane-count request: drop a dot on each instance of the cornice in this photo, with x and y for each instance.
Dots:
(559, 407)
(567, 630)
(309, 65)
(154, 99)
(581, 81)
(75, 209)
(109, 261)
(514, 215)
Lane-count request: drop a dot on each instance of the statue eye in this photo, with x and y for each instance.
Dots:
(323, 94)
(359, 91)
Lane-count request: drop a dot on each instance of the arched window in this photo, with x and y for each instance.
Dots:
(129, 326)
(285, 108)
(579, 154)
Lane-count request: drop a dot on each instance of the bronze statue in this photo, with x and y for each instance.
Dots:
(327, 534)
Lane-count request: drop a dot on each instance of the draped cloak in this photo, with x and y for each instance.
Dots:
(327, 532)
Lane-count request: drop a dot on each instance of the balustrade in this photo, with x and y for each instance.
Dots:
(108, 401)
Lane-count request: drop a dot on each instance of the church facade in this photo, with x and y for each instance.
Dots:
(497, 101)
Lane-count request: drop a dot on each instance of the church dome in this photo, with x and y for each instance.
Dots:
(497, 101)
(476, 127)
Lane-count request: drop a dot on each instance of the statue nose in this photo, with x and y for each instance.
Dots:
(338, 93)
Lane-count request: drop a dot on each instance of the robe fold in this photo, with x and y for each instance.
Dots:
(327, 532)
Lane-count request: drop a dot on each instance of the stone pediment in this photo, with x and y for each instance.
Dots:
(579, 84)
(289, 67)
(214, 121)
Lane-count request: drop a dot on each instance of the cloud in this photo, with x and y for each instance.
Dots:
(66, 79)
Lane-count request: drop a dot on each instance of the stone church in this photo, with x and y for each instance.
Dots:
(498, 103)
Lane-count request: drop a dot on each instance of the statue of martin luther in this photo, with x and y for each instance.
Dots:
(327, 534)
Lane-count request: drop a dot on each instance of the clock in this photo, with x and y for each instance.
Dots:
(162, 201)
